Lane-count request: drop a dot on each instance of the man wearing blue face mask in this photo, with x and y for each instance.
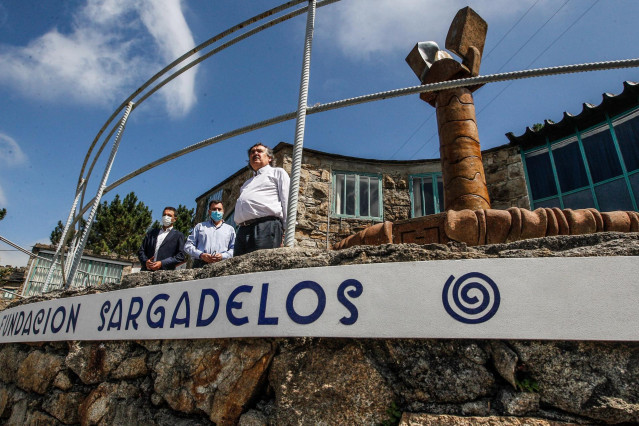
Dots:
(211, 240)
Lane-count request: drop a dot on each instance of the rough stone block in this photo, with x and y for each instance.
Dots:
(324, 386)
(580, 221)
(38, 370)
(519, 403)
(562, 222)
(462, 226)
(634, 221)
(515, 224)
(421, 419)
(617, 221)
(64, 406)
(497, 226)
(467, 30)
(533, 224)
(552, 226)
(420, 230)
(93, 361)
(481, 222)
(218, 377)
(596, 214)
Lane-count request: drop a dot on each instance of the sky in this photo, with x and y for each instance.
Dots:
(65, 67)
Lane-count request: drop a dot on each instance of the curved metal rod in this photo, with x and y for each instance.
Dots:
(190, 65)
(493, 78)
(180, 59)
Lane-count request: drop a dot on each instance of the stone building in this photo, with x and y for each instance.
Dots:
(340, 195)
(585, 160)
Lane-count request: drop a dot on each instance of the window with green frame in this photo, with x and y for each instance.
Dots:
(426, 194)
(598, 168)
(357, 195)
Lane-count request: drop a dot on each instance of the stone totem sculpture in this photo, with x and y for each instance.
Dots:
(460, 151)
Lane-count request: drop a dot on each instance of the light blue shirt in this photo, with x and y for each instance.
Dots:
(208, 238)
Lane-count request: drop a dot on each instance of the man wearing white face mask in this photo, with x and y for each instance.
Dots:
(162, 248)
(212, 240)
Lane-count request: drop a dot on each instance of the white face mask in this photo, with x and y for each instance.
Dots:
(167, 221)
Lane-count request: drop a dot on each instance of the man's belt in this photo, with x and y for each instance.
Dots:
(258, 220)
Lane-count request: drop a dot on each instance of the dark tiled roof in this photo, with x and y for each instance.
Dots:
(589, 116)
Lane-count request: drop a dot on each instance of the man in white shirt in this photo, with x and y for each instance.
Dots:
(162, 248)
(260, 210)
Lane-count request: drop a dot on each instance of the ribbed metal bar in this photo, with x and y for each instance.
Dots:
(63, 238)
(23, 250)
(300, 124)
(96, 201)
(188, 54)
(595, 66)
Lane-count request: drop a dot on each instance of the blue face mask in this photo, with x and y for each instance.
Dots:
(216, 215)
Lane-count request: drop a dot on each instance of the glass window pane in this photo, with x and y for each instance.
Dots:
(440, 193)
(613, 196)
(553, 202)
(339, 193)
(540, 177)
(634, 184)
(628, 138)
(363, 196)
(350, 195)
(429, 196)
(579, 200)
(602, 157)
(417, 197)
(375, 197)
(570, 167)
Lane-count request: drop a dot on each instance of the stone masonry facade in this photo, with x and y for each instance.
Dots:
(319, 227)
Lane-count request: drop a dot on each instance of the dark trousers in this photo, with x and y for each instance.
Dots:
(264, 233)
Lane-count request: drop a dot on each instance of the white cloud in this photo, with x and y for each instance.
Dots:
(3, 198)
(105, 56)
(10, 152)
(362, 28)
(168, 27)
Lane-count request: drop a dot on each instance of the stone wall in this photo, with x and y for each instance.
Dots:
(505, 178)
(330, 381)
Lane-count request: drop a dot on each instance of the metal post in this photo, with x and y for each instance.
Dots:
(291, 216)
(63, 237)
(85, 235)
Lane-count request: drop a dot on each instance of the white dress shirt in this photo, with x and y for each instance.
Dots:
(161, 236)
(265, 194)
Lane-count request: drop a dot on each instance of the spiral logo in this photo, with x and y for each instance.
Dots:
(472, 299)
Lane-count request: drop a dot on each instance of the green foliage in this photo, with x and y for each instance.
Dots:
(394, 415)
(3, 213)
(185, 220)
(537, 127)
(120, 226)
(527, 384)
(56, 234)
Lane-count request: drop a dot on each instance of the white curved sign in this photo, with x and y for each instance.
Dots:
(595, 298)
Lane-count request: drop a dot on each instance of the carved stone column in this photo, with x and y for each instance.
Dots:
(460, 152)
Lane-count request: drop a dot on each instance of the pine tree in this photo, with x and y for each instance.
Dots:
(120, 226)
